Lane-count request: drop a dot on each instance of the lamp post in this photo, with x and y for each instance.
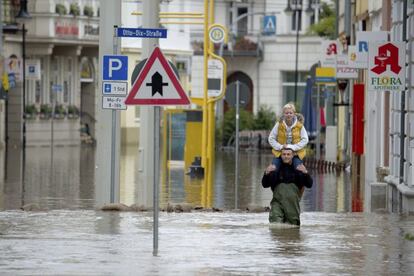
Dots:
(22, 16)
(295, 7)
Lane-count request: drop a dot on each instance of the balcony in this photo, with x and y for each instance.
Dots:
(241, 47)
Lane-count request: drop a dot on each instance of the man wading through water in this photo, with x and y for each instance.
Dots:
(287, 184)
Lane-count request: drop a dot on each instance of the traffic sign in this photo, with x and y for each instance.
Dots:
(57, 88)
(157, 84)
(244, 94)
(110, 88)
(113, 103)
(217, 33)
(215, 77)
(269, 25)
(115, 68)
(141, 32)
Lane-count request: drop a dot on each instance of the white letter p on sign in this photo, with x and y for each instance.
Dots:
(114, 65)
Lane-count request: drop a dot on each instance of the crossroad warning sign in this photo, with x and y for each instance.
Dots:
(157, 84)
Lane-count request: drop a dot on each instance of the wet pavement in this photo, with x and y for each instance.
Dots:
(72, 238)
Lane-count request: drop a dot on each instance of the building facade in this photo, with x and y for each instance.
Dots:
(400, 190)
(61, 51)
(386, 170)
(265, 62)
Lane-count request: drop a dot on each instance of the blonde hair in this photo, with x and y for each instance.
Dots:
(289, 105)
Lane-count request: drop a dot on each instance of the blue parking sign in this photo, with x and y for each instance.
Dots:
(115, 68)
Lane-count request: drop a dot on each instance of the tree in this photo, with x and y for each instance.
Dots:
(327, 21)
(264, 119)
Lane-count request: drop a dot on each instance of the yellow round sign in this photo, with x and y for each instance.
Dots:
(217, 34)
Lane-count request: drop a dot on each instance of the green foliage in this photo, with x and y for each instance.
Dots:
(30, 109)
(409, 236)
(61, 9)
(73, 109)
(74, 9)
(45, 111)
(326, 25)
(264, 119)
(60, 109)
(326, 11)
(88, 11)
(229, 123)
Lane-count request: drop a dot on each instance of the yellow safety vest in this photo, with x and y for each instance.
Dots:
(282, 138)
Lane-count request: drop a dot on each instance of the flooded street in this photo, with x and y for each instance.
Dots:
(96, 243)
(71, 238)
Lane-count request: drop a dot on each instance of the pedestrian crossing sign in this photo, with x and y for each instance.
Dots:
(269, 25)
(157, 84)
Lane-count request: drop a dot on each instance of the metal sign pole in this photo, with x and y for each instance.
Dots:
(236, 176)
(157, 111)
(113, 131)
(52, 146)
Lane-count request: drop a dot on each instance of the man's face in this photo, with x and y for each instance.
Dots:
(287, 156)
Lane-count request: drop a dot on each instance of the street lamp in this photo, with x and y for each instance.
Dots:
(295, 6)
(22, 16)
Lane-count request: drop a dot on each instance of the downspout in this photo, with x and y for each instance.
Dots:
(403, 112)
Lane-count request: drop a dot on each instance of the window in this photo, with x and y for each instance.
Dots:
(67, 84)
(38, 91)
(242, 23)
(289, 88)
(54, 79)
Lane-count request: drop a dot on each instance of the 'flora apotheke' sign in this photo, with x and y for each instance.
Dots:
(386, 66)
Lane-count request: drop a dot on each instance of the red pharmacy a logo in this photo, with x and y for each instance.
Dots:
(331, 50)
(387, 55)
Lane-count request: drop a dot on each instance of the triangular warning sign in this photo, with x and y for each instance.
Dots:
(270, 25)
(157, 84)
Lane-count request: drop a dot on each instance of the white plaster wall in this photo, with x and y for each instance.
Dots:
(279, 56)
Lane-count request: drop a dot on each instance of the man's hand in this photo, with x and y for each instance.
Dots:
(301, 168)
(270, 169)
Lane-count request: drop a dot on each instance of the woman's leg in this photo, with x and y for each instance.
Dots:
(296, 161)
(277, 161)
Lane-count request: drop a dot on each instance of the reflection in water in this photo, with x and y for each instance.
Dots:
(72, 178)
(287, 241)
(65, 182)
(329, 192)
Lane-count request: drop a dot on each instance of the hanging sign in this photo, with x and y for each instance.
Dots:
(386, 66)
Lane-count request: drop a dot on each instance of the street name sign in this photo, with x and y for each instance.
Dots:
(141, 32)
(157, 84)
(386, 66)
